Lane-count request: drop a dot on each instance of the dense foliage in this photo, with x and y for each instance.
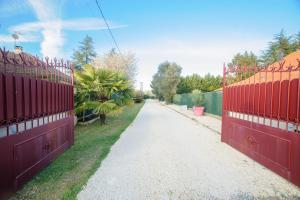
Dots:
(165, 81)
(196, 82)
(101, 90)
(245, 59)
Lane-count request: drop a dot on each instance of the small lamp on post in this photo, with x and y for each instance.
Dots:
(18, 49)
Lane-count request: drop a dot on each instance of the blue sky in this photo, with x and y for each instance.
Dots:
(198, 35)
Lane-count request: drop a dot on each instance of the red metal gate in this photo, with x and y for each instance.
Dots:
(36, 115)
(261, 115)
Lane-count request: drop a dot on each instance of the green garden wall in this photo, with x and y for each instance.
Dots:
(213, 101)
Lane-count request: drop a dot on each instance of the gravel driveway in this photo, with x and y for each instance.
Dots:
(164, 155)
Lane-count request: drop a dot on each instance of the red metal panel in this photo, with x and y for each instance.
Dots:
(53, 98)
(56, 98)
(60, 98)
(275, 146)
(239, 99)
(25, 97)
(2, 100)
(33, 97)
(68, 98)
(49, 97)
(272, 147)
(24, 155)
(72, 97)
(234, 99)
(262, 99)
(256, 98)
(10, 99)
(242, 99)
(65, 98)
(19, 98)
(284, 99)
(27, 92)
(225, 103)
(293, 100)
(251, 103)
(275, 103)
(247, 96)
(39, 97)
(43, 145)
(268, 99)
(44, 98)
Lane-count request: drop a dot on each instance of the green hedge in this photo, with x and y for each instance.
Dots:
(213, 101)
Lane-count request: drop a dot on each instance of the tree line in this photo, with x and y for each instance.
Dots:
(167, 82)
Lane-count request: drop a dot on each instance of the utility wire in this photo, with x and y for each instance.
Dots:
(109, 30)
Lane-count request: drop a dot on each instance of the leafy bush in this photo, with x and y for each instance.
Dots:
(103, 91)
(198, 98)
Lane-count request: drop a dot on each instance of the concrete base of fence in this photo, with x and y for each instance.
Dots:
(183, 107)
(88, 122)
(212, 115)
(208, 121)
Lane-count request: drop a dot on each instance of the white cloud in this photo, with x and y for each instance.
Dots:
(52, 32)
(29, 31)
(51, 25)
(52, 35)
(79, 24)
(22, 38)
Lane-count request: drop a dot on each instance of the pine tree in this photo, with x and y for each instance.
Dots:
(85, 54)
(281, 46)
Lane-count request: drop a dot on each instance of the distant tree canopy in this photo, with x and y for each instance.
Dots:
(281, 46)
(85, 53)
(165, 81)
(245, 59)
(195, 82)
(125, 63)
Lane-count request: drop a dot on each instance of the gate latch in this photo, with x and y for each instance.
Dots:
(252, 140)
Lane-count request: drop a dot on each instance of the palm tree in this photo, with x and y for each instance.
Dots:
(102, 90)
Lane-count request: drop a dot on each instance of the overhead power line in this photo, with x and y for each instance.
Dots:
(108, 28)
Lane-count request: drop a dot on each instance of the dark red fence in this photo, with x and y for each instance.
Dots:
(36, 115)
(261, 113)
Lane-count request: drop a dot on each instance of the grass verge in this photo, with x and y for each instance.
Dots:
(64, 177)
